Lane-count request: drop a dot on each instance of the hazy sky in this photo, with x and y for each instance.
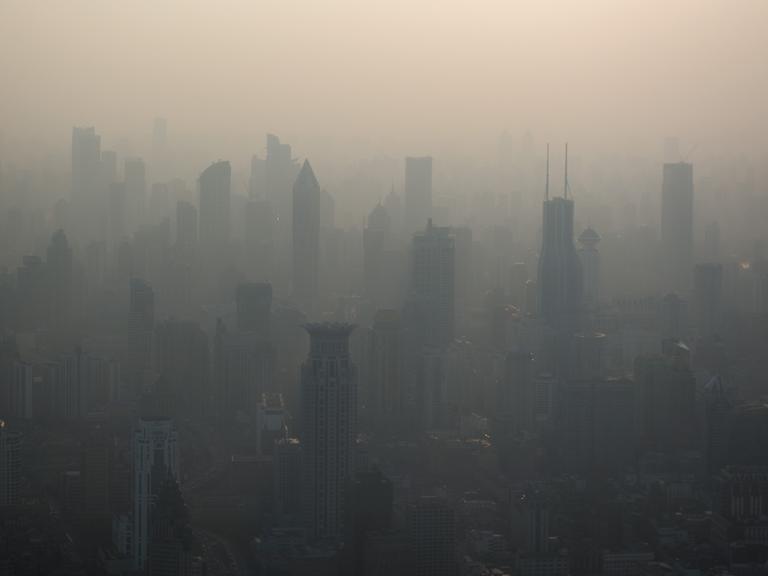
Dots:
(396, 76)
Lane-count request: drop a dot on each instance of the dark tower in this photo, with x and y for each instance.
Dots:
(560, 276)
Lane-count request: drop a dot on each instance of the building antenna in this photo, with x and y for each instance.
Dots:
(546, 187)
(565, 182)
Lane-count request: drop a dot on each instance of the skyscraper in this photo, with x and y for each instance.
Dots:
(433, 285)
(590, 265)
(306, 235)
(214, 218)
(677, 227)
(328, 421)
(385, 384)
(560, 275)
(135, 193)
(418, 192)
(375, 239)
(86, 169)
(155, 459)
(10, 465)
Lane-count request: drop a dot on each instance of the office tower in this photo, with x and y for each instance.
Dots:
(677, 227)
(418, 192)
(254, 308)
(280, 173)
(135, 193)
(117, 217)
(385, 386)
(257, 182)
(434, 536)
(83, 382)
(708, 296)
(328, 422)
(665, 393)
(59, 268)
(712, 242)
(95, 469)
(288, 472)
(432, 292)
(245, 358)
(259, 239)
(155, 459)
(514, 405)
(718, 408)
(376, 237)
(214, 217)
(590, 265)
(108, 166)
(306, 235)
(86, 198)
(10, 465)
(182, 366)
(518, 279)
(141, 325)
(560, 275)
(172, 546)
(186, 227)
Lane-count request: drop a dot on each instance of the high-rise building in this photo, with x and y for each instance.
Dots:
(135, 193)
(590, 265)
(141, 325)
(376, 237)
(155, 460)
(186, 226)
(287, 458)
(86, 170)
(254, 308)
(708, 295)
(182, 365)
(10, 465)
(260, 239)
(418, 192)
(385, 385)
(214, 219)
(245, 358)
(434, 536)
(306, 235)
(328, 422)
(432, 292)
(677, 227)
(560, 274)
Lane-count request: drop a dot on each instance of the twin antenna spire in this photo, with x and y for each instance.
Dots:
(566, 186)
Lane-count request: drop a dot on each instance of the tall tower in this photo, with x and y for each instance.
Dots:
(155, 460)
(590, 265)
(306, 235)
(10, 465)
(677, 227)
(328, 409)
(135, 193)
(375, 242)
(560, 276)
(432, 299)
(86, 170)
(418, 192)
(214, 218)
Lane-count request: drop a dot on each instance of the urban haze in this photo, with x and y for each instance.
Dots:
(416, 287)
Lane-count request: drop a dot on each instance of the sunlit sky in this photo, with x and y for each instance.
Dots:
(395, 76)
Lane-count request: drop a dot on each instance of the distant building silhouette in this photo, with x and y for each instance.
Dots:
(677, 227)
(328, 428)
(155, 460)
(306, 235)
(418, 192)
(214, 215)
(87, 208)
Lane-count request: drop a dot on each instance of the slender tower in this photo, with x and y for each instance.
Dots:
(560, 282)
